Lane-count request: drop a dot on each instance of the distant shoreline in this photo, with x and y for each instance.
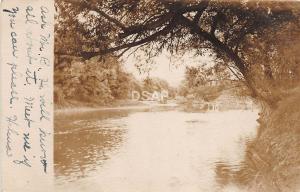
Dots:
(86, 109)
(103, 108)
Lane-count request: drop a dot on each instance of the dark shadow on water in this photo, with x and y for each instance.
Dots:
(272, 159)
(85, 140)
(81, 146)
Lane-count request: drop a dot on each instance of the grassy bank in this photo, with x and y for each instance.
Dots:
(272, 161)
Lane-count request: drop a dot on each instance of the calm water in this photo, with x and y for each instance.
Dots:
(153, 150)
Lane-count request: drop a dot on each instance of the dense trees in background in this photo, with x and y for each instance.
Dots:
(206, 83)
(99, 82)
(156, 84)
(92, 81)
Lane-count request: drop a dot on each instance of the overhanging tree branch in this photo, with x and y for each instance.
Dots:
(239, 63)
(217, 43)
(150, 38)
(164, 18)
(89, 6)
(200, 11)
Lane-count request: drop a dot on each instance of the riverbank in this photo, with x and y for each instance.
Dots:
(121, 105)
(78, 107)
(272, 158)
(86, 109)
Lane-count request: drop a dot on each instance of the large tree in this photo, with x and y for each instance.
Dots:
(239, 33)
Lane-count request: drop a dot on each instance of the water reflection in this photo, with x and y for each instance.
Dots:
(83, 141)
(149, 150)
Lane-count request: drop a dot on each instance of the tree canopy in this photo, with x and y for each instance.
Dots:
(248, 36)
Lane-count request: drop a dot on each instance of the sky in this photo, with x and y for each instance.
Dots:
(170, 69)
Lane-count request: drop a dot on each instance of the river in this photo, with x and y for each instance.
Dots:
(161, 149)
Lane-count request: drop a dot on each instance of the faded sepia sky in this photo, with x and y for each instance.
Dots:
(171, 70)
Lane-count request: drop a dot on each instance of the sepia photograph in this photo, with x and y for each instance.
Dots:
(177, 95)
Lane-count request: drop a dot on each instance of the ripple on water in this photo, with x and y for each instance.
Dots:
(168, 150)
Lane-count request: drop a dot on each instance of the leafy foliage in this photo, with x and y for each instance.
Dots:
(233, 30)
(205, 83)
(91, 81)
(99, 82)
